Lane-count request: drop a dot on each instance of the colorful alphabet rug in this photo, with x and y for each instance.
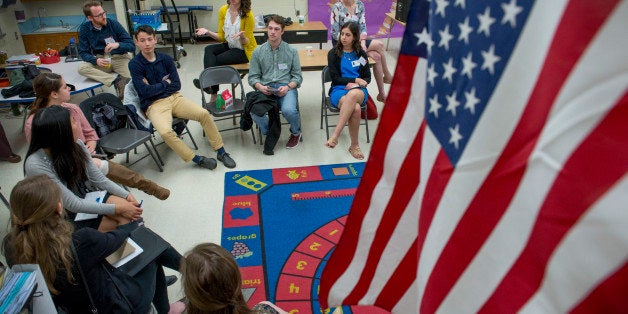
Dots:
(281, 226)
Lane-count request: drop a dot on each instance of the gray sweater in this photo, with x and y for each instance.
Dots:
(40, 163)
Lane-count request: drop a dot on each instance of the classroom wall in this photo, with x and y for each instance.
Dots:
(8, 23)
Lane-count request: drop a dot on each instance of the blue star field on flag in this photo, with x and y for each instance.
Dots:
(468, 49)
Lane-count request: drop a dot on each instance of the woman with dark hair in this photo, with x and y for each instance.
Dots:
(40, 235)
(52, 90)
(57, 153)
(350, 74)
(212, 283)
(235, 34)
(345, 11)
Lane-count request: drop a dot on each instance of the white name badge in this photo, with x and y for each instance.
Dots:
(355, 63)
(282, 66)
(362, 61)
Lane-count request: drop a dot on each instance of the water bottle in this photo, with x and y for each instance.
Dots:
(73, 54)
(220, 103)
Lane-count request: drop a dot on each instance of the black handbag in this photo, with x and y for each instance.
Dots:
(119, 303)
(92, 308)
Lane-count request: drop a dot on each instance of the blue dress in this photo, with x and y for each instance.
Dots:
(348, 68)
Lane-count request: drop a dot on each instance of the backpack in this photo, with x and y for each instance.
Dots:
(105, 113)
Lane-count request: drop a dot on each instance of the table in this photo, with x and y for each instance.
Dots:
(317, 61)
(392, 23)
(69, 72)
(309, 32)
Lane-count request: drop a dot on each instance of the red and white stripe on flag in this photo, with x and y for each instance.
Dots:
(497, 181)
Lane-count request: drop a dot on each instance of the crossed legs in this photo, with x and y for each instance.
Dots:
(350, 111)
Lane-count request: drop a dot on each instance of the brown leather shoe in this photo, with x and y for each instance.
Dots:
(12, 159)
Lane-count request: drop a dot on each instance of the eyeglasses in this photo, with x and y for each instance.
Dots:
(101, 14)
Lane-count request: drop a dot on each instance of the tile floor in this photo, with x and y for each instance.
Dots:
(192, 214)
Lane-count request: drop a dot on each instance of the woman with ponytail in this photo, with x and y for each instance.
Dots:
(40, 235)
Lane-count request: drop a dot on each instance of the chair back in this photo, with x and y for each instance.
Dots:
(105, 113)
(326, 78)
(222, 74)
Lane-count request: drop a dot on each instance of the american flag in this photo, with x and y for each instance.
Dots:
(497, 179)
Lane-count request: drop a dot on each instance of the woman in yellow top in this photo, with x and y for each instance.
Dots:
(235, 34)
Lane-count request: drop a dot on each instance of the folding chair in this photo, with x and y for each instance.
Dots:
(224, 74)
(121, 139)
(328, 110)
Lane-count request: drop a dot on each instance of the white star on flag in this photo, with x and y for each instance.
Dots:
(510, 13)
(455, 135)
(449, 70)
(490, 59)
(485, 22)
(452, 103)
(431, 74)
(434, 105)
(471, 100)
(468, 65)
(440, 6)
(445, 37)
(465, 30)
(425, 38)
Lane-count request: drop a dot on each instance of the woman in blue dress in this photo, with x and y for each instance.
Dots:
(350, 74)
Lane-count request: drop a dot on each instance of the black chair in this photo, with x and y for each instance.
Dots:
(120, 138)
(328, 110)
(224, 74)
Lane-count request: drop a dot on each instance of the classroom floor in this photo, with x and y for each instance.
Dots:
(192, 214)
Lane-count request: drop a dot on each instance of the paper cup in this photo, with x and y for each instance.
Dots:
(308, 50)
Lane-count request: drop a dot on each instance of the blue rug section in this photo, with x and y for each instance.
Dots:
(272, 217)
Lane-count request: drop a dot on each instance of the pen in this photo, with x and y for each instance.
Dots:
(140, 205)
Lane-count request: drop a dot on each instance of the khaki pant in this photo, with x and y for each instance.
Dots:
(119, 65)
(161, 112)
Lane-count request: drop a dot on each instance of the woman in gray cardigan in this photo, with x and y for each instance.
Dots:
(55, 151)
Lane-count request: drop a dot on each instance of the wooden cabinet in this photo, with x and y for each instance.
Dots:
(34, 43)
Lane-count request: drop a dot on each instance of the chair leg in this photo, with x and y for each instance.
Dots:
(253, 135)
(191, 138)
(156, 152)
(261, 137)
(152, 154)
(326, 123)
(322, 108)
(26, 109)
